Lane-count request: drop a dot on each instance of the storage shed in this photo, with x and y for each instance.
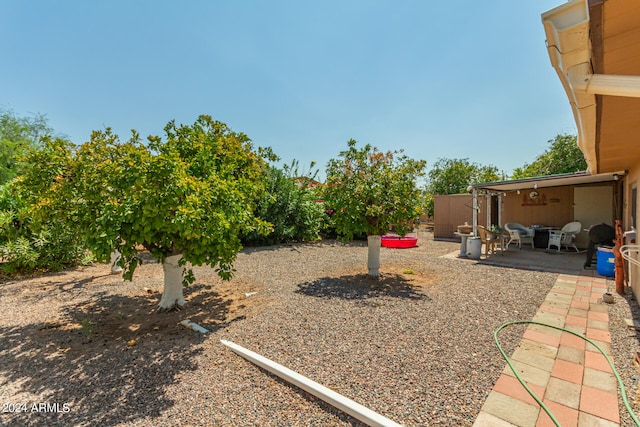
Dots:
(450, 211)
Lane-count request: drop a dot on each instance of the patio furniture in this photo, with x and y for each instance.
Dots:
(555, 240)
(566, 236)
(519, 234)
(541, 236)
(490, 240)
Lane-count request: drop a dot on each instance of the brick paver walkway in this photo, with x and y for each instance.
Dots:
(570, 376)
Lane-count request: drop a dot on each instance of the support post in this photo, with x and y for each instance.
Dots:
(475, 211)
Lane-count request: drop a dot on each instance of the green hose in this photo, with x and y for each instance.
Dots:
(536, 398)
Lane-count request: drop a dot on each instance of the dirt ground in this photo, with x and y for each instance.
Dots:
(89, 308)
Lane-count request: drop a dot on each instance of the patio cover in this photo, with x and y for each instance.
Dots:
(547, 181)
(559, 180)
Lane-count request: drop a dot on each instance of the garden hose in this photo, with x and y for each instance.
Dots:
(536, 398)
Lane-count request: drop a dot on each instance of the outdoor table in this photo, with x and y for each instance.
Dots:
(463, 243)
(541, 237)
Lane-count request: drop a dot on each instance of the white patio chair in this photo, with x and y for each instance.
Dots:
(565, 237)
(569, 232)
(519, 234)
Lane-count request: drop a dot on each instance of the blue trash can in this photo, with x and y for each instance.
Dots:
(606, 262)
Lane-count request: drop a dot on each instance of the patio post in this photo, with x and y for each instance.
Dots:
(475, 211)
(487, 201)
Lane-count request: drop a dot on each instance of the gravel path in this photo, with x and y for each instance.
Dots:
(417, 348)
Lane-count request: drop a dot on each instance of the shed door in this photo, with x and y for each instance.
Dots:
(592, 205)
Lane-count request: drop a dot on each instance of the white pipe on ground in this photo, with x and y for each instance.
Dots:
(191, 325)
(337, 400)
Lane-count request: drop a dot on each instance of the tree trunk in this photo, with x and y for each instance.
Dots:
(115, 269)
(373, 260)
(172, 296)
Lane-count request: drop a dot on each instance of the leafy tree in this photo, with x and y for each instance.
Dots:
(562, 156)
(185, 199)
(453, 176)
(17, 135)
(369, 191)
(27, 246)
(291, 205)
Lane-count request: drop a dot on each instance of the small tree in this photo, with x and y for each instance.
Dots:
(369, 191)
(185, 199)
(27, 243)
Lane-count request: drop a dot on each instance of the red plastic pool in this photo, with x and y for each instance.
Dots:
(399, 242)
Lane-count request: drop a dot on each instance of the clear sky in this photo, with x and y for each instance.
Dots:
(439, 79)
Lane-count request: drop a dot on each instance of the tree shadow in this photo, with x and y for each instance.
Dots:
(104, 361)
(362, 287)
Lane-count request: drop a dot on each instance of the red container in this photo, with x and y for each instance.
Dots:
(399, 242)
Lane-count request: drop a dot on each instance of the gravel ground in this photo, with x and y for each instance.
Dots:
(625, 343)
(415, 346)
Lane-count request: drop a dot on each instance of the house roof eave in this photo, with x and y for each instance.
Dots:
(567, 35)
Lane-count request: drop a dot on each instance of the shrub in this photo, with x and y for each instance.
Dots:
(26, 246)
(291, 205)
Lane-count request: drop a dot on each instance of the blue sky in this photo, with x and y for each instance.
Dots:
(439, 79)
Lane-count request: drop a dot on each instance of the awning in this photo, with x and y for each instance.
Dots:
(578, 178)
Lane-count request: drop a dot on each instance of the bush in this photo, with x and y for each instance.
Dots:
(291, 204)
(27, 246)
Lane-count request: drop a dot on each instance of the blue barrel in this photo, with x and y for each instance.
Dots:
(606, 262)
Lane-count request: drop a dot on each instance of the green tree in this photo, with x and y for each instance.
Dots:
(25, 244)
(562, 156)
(453, 176)
(17, 135)
(185, 199)
(369, 191)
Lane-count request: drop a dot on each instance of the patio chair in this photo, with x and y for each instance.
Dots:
(490, 241)
(566, 236)
(519, 234)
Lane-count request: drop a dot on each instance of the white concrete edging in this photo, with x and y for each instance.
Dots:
(336, 400)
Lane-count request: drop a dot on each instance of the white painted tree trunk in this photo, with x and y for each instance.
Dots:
(172, 296)
(373, 259)
(115, 269)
